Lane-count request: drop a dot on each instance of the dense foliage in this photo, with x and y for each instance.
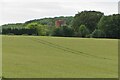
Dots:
(63, 31)
(110, 25)
(83, 31)
(83, 24)
(51, 21)
(16, 31)
(87, 18)
(97, 33)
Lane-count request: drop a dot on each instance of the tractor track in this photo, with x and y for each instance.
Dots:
(54, 45)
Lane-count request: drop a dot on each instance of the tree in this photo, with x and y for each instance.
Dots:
(64, 31)
(83, 31)
(51, 21)
(40, 29)
(98, 34)
(88, 18)
(57, 32)
(110, 25)
(67, 31)
(33, 26)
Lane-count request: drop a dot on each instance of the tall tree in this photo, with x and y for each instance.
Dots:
(110, 25)
(88, 18)
(83, 31)
(40, 29)
(97, 33)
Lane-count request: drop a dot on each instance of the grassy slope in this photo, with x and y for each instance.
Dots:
(59, 57)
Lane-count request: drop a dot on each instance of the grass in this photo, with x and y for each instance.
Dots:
(55, 57)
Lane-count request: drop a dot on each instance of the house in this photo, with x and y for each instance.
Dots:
(59, 23)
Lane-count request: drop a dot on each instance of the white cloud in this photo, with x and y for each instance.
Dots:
(60, 0)
(23, 10)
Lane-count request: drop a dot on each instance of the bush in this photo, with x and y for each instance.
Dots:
(63, 31)
(98, 34)
(83, 31)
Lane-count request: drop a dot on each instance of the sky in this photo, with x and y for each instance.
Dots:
(19, 11)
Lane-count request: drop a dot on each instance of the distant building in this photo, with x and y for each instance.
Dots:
(60, 23)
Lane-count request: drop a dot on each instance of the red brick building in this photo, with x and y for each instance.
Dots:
(60, 23)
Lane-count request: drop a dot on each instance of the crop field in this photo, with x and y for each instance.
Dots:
(58, 57)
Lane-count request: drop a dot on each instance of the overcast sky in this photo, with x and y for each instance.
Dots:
(18, 11)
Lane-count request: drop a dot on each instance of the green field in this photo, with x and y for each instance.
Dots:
(54, 57)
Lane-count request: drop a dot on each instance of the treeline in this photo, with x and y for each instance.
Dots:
(84, 24)
(16, 31)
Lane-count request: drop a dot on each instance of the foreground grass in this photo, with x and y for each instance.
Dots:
(49, 57)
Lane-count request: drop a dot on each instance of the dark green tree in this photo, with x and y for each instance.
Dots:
(63, 31)
(97, 33)
(57, 32)
(67, 31)
(83, 31)
(88, 18)
(110, 25)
